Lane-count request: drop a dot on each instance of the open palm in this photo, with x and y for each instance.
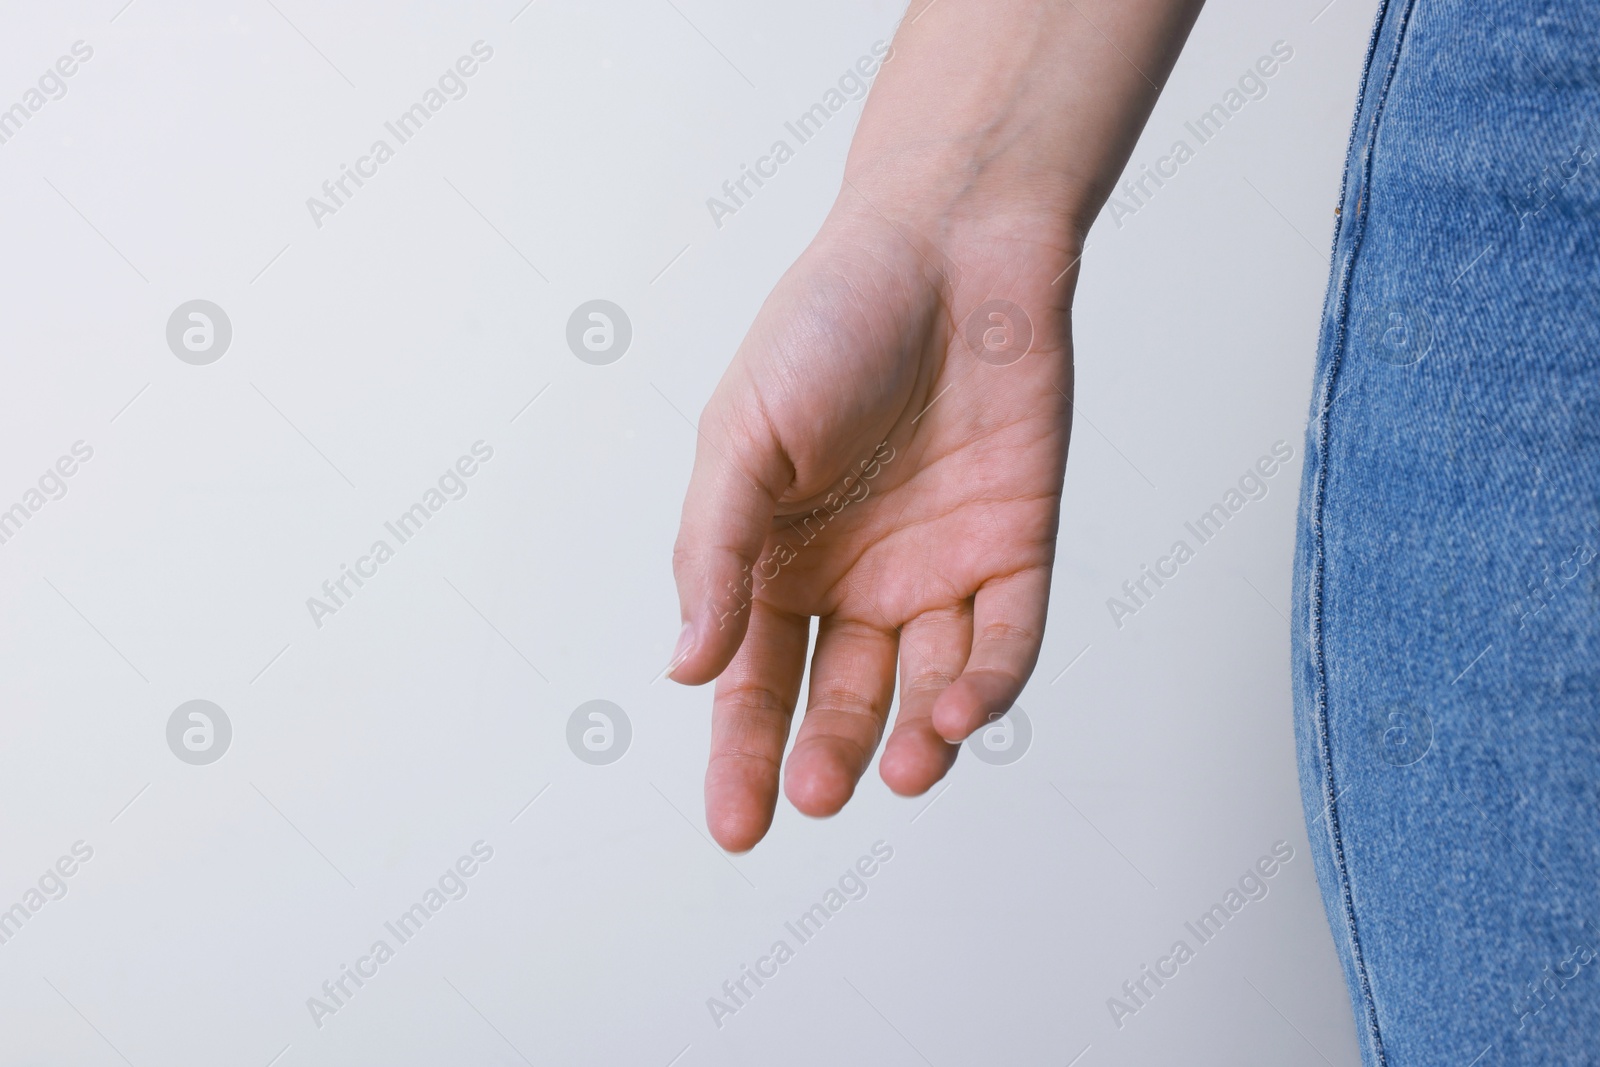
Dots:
(885, 453)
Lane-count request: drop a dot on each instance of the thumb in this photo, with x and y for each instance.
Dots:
(740, 471)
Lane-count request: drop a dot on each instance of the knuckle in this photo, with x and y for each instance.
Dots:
(1006, 678)
(945, 616)
(751, 700)
(854, 630)
(845, 701)
(734, 756)
(1007, 632)
(929, 681)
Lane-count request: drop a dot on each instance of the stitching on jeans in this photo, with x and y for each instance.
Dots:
(1340, 310)
(1355, 127)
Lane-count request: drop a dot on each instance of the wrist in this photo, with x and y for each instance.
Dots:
(958, 211)
(996, 163)
(1014, 117)
(941, 196)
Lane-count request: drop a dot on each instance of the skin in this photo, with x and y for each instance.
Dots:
(991, 139)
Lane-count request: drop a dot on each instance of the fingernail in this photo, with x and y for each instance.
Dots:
(685, 646)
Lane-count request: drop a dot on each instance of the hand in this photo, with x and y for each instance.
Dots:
(866, 459)
(862, 463)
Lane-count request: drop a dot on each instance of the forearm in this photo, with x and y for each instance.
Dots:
(1013, 111)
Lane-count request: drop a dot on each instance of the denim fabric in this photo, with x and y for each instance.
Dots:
(1447, 578)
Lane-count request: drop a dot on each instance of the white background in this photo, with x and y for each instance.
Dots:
(369, 353)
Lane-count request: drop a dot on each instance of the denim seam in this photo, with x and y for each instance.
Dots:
(1355, 119)
(1338, 320)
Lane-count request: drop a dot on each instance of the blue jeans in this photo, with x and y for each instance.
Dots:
(1447, 578)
